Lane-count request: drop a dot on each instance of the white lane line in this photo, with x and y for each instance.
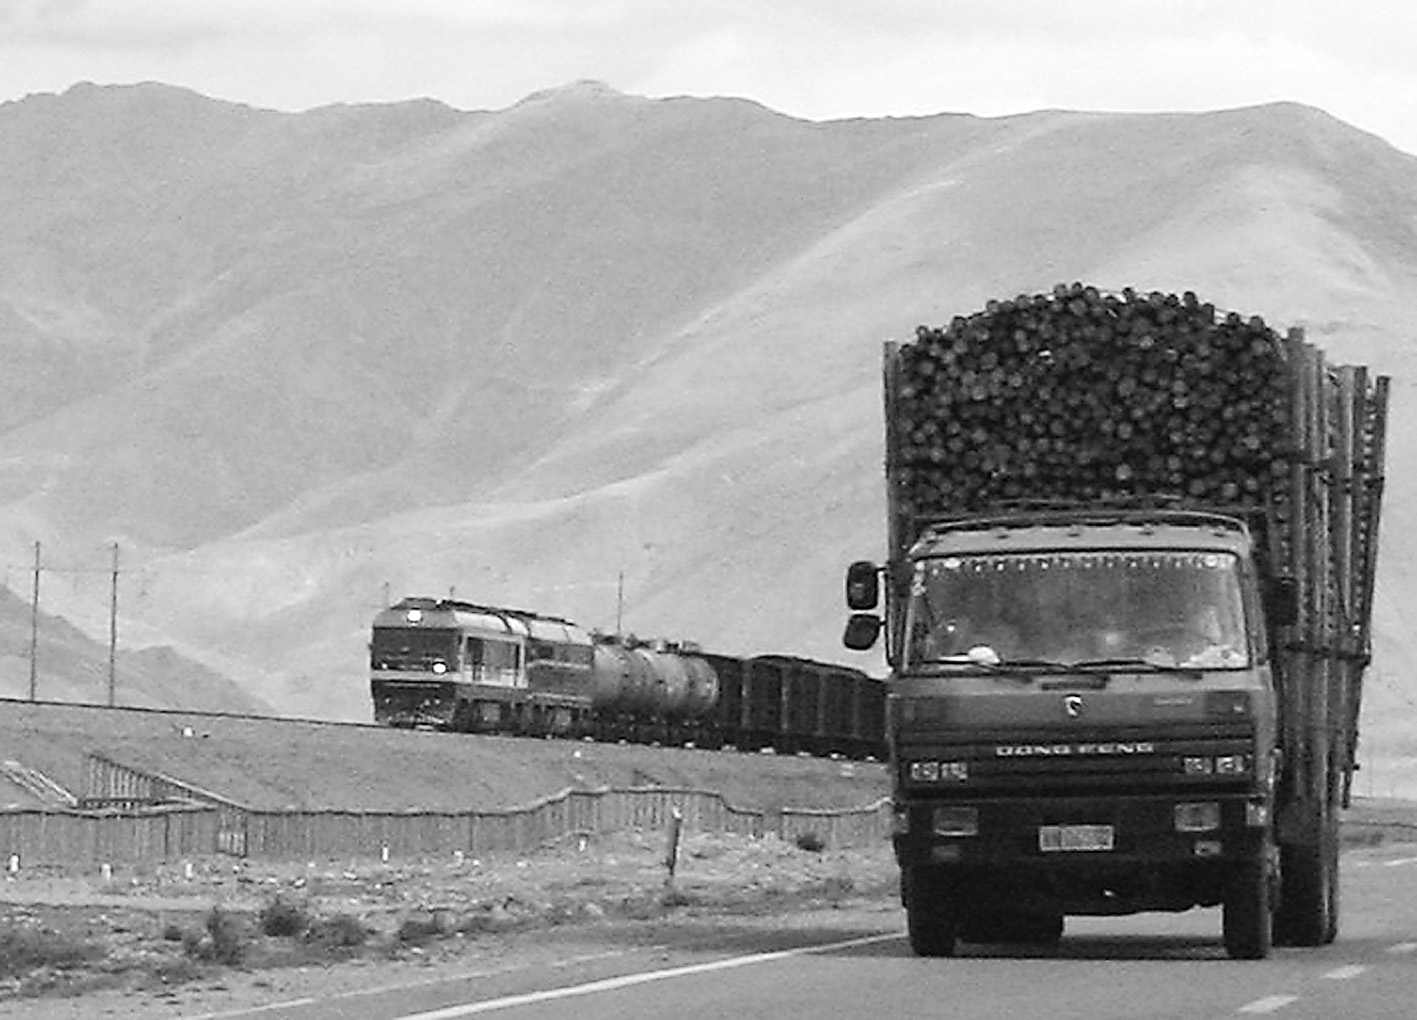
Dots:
(629, 980)
(1268, 1004)
(1399, 862)
(287, 1004)
(408, 986)
(1402, 947)
(1344, 973)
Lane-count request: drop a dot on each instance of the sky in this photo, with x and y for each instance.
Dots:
(814, 59)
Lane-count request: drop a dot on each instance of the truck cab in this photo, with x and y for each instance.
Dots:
(1082, 719)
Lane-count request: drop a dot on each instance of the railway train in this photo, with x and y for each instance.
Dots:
(451, 665)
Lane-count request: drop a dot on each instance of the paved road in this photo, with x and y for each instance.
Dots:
(856, 964)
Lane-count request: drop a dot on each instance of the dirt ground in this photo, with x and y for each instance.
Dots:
(140, 945)
(154, 954)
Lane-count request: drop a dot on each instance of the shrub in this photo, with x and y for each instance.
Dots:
(342, 931)
(282, 918)
(810, 842)
(224, 942)
(417, 930)
(26, 949)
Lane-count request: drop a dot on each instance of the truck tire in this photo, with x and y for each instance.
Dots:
(1331, 927)
(931, 917)
(1246, 912)
(1307, 914)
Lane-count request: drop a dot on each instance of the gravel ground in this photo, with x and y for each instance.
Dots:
(152, 937)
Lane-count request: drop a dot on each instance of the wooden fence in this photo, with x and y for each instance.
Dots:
(119, 821)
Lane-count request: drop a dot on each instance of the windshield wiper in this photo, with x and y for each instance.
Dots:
(1035, 664)
(1155, 667)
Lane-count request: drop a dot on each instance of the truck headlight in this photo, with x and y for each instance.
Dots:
(1201, 817)
(938, 771)
(955, 821)
(925, 771)
(1195, 766)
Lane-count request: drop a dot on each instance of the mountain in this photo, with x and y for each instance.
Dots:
(64, 664)
(296, 364)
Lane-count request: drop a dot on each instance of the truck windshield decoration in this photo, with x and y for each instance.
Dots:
(1157, 609)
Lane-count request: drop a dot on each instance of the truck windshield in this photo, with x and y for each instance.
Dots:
(1166, 609)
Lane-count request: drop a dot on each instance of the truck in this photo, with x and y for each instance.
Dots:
(1131, 544)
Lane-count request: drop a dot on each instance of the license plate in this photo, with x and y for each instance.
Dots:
(1053, 838)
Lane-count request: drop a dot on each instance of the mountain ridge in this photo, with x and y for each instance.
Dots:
(400, 348)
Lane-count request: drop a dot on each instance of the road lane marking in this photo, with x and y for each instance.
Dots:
(408, 986)
(1402, 947)
(247, 1011)
(629, 980)
(1399, 862)
(1344, 973)
(1268, 1004)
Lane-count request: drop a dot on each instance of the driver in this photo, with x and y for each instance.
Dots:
(958, 634)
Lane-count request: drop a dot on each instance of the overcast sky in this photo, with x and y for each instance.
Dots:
(816, 59)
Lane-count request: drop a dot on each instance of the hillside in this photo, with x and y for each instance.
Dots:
(71, 666)
(296, 364)
(301, 765)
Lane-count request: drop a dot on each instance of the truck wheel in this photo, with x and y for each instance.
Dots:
(1042, 930)
(1246, 915)
(1306, 913)
(930, 917)
(1331, 924)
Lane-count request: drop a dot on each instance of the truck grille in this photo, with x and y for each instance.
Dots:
(1077, 761)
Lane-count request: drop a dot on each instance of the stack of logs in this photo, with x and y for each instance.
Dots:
(1081, 395)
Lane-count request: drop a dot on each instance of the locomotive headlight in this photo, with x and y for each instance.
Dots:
(440, 667)
(413, 615)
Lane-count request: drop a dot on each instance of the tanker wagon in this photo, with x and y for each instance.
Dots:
(1126, 607)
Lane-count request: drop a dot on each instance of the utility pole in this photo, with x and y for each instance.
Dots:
(34, 626)
(619, 600)
(113, 631)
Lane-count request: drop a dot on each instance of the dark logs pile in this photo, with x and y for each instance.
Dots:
(1083, 395)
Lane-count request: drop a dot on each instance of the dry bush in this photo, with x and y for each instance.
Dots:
(811, 842)
(24, 949)
(342, 931)
(224, 941)
(283, 918)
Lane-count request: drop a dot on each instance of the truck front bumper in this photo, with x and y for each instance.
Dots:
(1086, 854)
(1063, 831)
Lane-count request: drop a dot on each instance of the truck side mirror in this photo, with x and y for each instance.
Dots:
(862, 629)
(863, 586)
(1283, 601)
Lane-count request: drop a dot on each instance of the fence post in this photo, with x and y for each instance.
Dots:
(671, 852)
